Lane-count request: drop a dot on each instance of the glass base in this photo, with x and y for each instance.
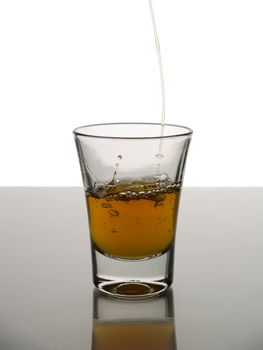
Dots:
(133, 279)
(133, 289)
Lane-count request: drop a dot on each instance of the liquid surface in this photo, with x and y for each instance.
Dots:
(156, 335)
(133, 221)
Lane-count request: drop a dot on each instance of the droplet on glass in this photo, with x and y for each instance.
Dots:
(159, 156)
(163, 177)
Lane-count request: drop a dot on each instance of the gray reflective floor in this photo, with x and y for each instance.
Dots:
(47, 301)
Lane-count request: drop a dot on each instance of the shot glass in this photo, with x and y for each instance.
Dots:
(132, 176)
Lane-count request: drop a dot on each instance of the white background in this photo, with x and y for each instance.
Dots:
(66, 63)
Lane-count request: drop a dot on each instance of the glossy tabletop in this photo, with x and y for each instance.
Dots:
(47, 300)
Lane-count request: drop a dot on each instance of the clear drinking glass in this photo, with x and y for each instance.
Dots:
(132, 176)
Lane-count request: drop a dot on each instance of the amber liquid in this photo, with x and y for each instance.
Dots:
(137, 223)
(134, 336)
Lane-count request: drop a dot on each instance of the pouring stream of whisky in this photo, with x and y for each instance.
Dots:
(159, 155)
(158, 50)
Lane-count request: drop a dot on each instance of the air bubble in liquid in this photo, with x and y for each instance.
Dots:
(113, 212)
(106, 205)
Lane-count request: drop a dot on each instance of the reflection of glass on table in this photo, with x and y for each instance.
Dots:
(130, 324)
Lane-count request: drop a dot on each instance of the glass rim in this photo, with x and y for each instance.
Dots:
(78, 131)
